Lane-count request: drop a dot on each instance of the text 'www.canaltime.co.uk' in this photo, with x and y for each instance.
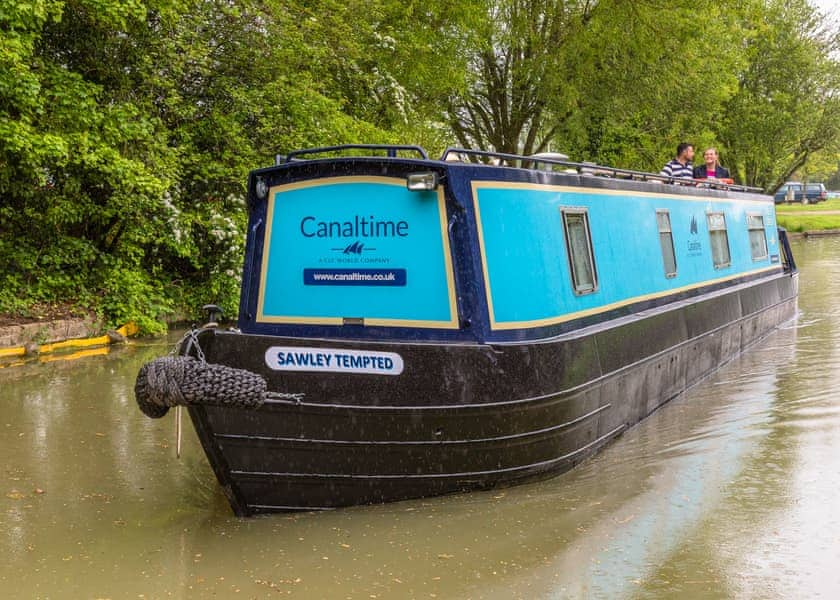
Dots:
(390, 277)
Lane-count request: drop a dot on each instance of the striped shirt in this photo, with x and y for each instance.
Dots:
(675, 168)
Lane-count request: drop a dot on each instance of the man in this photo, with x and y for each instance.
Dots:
(711, 168)
(681, 165)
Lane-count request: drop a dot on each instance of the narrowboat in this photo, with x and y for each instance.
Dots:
(411, 326)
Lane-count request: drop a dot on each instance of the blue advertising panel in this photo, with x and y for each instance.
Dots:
(357, 248)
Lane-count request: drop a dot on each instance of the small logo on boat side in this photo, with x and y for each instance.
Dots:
(694, 248)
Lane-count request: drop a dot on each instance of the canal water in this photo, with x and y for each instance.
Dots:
(730, 491)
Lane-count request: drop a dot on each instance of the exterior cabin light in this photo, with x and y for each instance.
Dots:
(421, 182)
(261, 188)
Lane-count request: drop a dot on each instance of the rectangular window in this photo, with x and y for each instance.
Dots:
(758, 237)
(666, 242)
(579, 247)
(719, 240)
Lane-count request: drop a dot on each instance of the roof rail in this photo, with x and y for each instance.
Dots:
(590, 168)
(390, 149)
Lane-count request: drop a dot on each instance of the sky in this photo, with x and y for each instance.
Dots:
(829, 7)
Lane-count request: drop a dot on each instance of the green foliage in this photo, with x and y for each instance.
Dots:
(647, 83)
(610, 81)
(134, 295)
(622, 83)
(127, 130)
(389, 63)
(801, 223)
(128, 127)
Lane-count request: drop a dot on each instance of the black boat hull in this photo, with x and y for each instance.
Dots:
(466, 416)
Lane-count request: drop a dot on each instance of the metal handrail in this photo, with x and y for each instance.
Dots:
(589, 168)
(391, 149)
(582, 168)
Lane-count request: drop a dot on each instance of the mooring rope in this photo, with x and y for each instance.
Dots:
(183, 381)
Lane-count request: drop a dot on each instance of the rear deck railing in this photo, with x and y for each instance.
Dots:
(390, 150)
(583, 168)
(546, 161)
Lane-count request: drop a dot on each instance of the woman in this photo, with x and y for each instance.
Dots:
(711, 168)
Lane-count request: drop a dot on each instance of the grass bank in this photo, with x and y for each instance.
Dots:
(798, 218)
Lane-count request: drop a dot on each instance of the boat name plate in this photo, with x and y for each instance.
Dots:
(333, 360)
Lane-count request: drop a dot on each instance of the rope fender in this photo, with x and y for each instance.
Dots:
(182, 380)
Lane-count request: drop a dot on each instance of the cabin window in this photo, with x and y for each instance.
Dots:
(758, 237)
(579, 247)
(666, 242)
(719, 240)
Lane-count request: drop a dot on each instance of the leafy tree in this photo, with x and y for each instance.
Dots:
(821, 166)
(237, 92)
(517, 64)
(390, 63)
(647, 83)
(786, 107)
(81, 161)
(606, 80)
(126, 133)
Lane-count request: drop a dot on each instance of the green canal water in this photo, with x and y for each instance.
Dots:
(730, 491)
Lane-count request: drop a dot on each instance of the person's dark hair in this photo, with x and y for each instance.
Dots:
(682, 146)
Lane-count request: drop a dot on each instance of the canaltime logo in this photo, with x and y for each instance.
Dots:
(355, 248)
(358, 228)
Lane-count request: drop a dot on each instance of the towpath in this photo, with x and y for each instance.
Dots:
(806, 213)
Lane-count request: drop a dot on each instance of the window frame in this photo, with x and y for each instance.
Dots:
(763, 230)
(670, 234)
(719, 231)
(571, 254)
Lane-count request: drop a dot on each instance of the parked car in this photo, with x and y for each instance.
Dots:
(796, 191)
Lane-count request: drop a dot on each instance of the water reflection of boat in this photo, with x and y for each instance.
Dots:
(411, 327)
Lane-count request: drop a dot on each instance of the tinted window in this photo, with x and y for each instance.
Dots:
(758, 238)
(718, 239)
(579, 247)
(666, 242)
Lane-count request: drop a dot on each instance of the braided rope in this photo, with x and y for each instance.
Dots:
(183, 380)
